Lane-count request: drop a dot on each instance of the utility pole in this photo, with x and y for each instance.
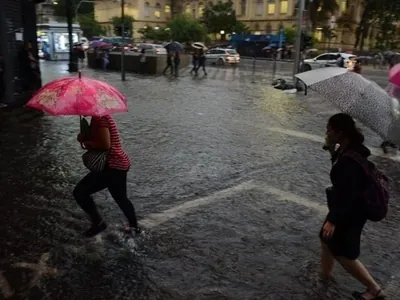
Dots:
(123, 39)
(299, 26)
(72, 65)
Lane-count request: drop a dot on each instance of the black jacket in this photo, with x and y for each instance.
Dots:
(348, 183)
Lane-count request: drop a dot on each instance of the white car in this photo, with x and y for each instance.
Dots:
(326, 60)
(152, 48)
(222, 56)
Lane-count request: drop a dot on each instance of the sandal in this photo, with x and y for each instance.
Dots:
(379, 295)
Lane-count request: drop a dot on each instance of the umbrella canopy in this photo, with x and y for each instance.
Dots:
(78, 96)
(98, 44)
(174, 46)
(199, 45)
(353, 94)
(394, 75)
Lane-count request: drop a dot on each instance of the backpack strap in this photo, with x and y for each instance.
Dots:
(362, 161)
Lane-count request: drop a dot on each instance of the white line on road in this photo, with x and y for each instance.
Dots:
(290, 197)
(157, 219)
(319, 139)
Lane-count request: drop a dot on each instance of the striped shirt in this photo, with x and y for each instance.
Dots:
(116, 158)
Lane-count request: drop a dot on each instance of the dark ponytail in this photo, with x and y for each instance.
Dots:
(345, 124)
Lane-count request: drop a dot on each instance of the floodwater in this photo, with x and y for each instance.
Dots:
(228, 180)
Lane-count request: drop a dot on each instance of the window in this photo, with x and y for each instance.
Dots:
(200, 9)
(147, 9)
(243, 7)
(157, 13)
(284, 6)
(260, 7)
(271, 8)
(167, 9)
(188, 9)
(268, 28)
(327, 57)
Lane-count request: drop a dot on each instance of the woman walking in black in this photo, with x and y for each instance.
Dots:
(341, 232)
(202, 62)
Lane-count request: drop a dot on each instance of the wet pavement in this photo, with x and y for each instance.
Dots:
(228, 179)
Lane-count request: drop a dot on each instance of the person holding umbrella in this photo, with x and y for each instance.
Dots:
(105, 158)
(201, 58)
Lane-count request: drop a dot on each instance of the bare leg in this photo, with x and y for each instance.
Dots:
(327, 262)
(359, 272)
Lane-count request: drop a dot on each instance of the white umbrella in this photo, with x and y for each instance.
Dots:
(355, 95)
(199, 45)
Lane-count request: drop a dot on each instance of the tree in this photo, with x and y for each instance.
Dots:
(185, 29)
(319, 11)
(240, 27)
(85, 8)
(150, 33)
(290, 35)
(222, 16)
(128, 25)
(377, 13)
(90, 26)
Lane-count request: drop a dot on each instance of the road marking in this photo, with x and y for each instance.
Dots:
(319, 139)
(290, 197)
(157, 219)
(5, 287)
(40, 269)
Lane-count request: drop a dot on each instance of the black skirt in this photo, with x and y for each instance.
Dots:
(346, 239)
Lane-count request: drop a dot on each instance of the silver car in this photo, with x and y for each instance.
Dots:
(222, 56)
(152, 48)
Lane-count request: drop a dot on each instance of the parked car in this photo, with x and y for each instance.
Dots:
(327, 59)
(152, 48)
(222, 56)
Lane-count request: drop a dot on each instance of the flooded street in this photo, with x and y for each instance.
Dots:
(228, 179)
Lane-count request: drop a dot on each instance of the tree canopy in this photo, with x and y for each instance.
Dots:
(380, 14)
(85, 8)
(222, 16)
(182, 29)
(90, 26)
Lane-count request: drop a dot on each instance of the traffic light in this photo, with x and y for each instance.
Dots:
(306, 41)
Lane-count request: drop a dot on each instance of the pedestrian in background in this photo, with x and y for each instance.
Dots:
(202, 62)
(195, 62)
(169, 63)
(103, 136)
(177, 62)
(142, 61)
(341, 232)
(106, 60)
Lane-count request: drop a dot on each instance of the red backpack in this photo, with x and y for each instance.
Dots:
(376, 193)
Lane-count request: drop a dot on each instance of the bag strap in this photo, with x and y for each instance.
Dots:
(363, 162)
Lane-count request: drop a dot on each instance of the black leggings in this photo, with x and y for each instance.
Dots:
(115, 181)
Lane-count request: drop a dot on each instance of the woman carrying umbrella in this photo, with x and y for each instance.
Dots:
(105, 158)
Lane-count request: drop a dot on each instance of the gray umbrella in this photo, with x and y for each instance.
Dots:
(174, 46)
(353, 94)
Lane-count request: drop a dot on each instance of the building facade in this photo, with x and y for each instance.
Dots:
(261, 16)
(17, 26)
(45, 11)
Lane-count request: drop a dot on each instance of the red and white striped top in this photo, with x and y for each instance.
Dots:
(116, 158)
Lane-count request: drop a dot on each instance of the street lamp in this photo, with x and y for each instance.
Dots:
(222, 32)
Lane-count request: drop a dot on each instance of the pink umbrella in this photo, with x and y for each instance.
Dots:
(394, 75)
(80, 96)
